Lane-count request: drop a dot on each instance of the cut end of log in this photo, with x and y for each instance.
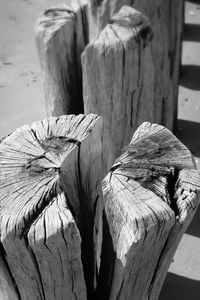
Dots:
(150, 197)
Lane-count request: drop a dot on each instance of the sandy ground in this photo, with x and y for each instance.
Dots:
(22, 102)
(21, 90)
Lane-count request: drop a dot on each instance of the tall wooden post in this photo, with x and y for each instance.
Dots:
(61, 35)
(118, 79)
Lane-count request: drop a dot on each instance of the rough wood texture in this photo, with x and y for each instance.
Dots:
(61, 35)
(7, 288)
(150, 197)
(166, 18)
(118, 79)
(51, 207)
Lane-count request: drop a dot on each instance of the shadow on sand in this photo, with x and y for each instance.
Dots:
(180, 288)
(190, 77)
(197, 2)
(191, 32)
(188, 133)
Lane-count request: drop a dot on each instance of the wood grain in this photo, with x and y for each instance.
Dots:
(8, 289)
(150, 197)
(61, 35)
(51, 206)
(118, 79)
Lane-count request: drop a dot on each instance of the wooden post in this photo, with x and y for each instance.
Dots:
(61, 35)
(150, 197)
(166, 18)
(118, 79)
(51, 208)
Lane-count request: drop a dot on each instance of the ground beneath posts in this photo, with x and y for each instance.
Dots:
(22, 102)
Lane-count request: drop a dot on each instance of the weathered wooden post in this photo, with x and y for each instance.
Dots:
(51, 208)
(118, 79)
(150, 197)
(166, 18)
(61, 36)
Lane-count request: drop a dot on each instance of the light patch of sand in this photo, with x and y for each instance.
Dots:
(21, 88)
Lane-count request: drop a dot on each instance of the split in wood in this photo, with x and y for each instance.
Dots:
(51, 211)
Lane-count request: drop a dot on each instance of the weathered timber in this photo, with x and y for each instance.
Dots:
(118, 79)
(51, 208)
(150, 197)
(166, 18)
(61, 35)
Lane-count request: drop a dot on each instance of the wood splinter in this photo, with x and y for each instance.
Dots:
(150, 197)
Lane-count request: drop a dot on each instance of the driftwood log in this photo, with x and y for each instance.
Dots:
(150, 197)
(61, 35)
(118, 79)
(51, 209)
(166, 18)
